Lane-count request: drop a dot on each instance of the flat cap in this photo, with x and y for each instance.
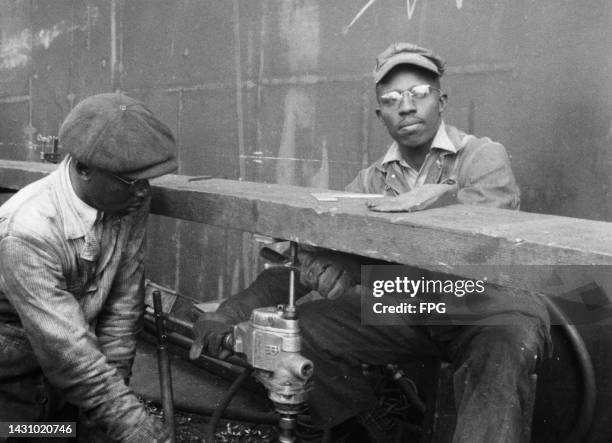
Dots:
(118, 134)
(407, 54)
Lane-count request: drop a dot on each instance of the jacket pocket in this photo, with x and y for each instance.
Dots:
(82, 279)
(16, 354)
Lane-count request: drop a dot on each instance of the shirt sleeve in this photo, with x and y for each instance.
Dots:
(120, 320)
(485, 178)
(66, 348)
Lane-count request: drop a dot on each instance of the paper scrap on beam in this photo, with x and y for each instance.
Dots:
(334, 196)
(265, 239)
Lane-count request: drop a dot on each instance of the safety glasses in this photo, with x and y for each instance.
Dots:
(418, 92)
(131, 183)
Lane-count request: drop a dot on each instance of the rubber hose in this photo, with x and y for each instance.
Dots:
(582, 424)
(214, 421)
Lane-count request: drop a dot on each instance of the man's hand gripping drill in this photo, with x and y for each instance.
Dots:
(270, 343)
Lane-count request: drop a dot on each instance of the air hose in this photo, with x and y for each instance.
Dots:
(582, 424)
(225, 400)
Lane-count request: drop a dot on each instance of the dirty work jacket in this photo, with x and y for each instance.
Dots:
(480, 169)
(71, 307)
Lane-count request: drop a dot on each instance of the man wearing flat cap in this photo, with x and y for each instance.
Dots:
(71, 273)
(429, 164)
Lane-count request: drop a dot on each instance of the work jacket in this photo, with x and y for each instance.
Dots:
(71, 305)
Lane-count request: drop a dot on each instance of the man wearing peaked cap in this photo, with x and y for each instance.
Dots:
(407, 54)
(428, 164)
(118, 134)
(71, 273)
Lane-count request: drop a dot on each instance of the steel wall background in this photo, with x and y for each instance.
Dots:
(280, 91)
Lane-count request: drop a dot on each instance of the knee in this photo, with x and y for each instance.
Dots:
(509, 348)
(324, 330)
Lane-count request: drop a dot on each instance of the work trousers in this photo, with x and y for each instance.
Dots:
(31, 398)
(491, 364)
(27, 396)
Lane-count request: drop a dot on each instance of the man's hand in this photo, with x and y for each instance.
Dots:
(208, 333)
(426, 197)
(151, 430)
(329, 273)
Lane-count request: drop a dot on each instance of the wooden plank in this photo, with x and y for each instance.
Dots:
(438, 239)
(457, 235)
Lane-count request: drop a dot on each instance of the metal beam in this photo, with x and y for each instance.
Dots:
(438, 239)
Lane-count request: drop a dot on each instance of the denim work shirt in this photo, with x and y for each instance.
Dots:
(478, 166)
(72, 300)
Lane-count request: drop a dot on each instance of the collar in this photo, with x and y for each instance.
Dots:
(441, 141)
(79, 218)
